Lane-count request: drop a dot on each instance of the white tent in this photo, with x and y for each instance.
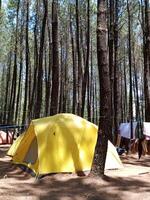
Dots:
(112, 158)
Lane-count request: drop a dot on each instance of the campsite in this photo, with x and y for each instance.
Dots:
(75, 99)
(132, 182)
(49, 167)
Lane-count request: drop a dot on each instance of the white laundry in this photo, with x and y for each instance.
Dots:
(125, 130)
(146, 128)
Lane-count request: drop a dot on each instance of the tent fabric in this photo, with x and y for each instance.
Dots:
(60, 143)
(15, 145)
(125, 130)
(112, 159)
(3, 137)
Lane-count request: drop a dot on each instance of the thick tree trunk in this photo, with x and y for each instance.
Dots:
(104, 132)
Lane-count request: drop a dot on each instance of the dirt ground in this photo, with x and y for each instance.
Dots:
(130, 183)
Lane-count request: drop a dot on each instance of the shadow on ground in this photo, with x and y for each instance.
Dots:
(14, 183)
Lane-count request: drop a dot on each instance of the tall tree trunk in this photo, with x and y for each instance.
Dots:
(2, 92)
(96, 103)
(111, 55)
(138, 116)
(130, 68)
(48, 85)
(14, 80)
(62, 77)
(21, 68)
(65, 97)
(35, 70)
(125, 87)
(104, 132)
(123, 113)
(7, 90)
(40, 62)
(55, 67)
(27, 64)
(147, 60)
(116, 89)
(92, 87)
(85, 83)
(74, 66)
(93, 102)
(89, 88)
(79, 60)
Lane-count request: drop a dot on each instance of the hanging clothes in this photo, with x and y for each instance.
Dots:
(125, 130)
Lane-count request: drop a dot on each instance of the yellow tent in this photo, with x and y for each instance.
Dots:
(61, 143)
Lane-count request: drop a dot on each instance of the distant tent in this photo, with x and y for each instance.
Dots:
(6, 138)
(112, 159)
(61, 143)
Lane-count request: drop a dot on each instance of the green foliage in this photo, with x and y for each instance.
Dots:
(11, 11)
(5, 36)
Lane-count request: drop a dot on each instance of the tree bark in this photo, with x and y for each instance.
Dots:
(27, 64)
(104, 132)
(40, 62)
(74, 106)
(116, 89)
(14, 80)
(55, 67)
(130, 69)
(85, 83)
(147, 60)
(79, 60)
(48, 83)
(111, 55)
(7, 89)
(35, 70)
(20, 68)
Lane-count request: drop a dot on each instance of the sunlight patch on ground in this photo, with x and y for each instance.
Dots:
(23, 197)
(128, 170)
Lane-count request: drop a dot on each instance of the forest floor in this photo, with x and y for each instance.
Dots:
(130, 183)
